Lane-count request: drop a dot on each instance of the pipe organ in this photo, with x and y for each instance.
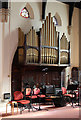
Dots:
(44, 48)
(32, 47)
(21, 38)
(64, 49)
(49, 42)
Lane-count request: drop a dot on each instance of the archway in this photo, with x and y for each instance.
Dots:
(57, 19)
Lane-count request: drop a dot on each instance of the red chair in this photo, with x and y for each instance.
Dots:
(29, 94)
(40, 96)
(32, 97)
(37, 92)
(18, 96)
(32, 94)
(64, 92)
(70, 96)
(77, 95)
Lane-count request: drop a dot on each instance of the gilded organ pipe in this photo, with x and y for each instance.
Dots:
(48, 40)
(32, 45)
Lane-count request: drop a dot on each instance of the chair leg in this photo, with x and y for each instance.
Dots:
(25, 107)
(39, 109)
(20, 110)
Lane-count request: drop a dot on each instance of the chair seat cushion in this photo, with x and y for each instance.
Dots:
(41, 96)
(32, 97)
(24, 101)
(49, 100)
(69, 95)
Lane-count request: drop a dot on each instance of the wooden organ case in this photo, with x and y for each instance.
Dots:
(21, 48)
(37, 50)
(45, 46)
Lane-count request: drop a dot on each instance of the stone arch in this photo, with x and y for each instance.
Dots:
(13, 54)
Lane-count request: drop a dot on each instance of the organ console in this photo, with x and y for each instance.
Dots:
(47, 48)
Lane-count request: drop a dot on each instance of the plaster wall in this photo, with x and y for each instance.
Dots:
(80, 40)
(75, 39)
(1, 59)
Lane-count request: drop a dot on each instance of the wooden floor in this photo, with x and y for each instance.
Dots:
(53, 112)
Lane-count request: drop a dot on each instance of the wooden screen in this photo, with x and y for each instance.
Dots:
(32, 47)
(21, 39)
(49, 41)
(64, 47)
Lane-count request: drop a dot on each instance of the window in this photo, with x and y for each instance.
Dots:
(24, 13)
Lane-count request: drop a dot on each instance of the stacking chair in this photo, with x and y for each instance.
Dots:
(29, 94)
(64, 92)
(69, 96)
(40, 97)
(32, 97)
(23, 104)
(77, 96)
(38, 94)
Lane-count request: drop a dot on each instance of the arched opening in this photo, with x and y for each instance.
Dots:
(15, 75)
(57, 20)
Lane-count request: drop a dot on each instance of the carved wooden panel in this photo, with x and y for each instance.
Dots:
(64, 58)
(21, 37)
(64, 47)
(64, 42)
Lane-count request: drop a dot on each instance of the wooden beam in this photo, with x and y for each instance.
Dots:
(43, 9)
(58, 48)
(71, 8)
